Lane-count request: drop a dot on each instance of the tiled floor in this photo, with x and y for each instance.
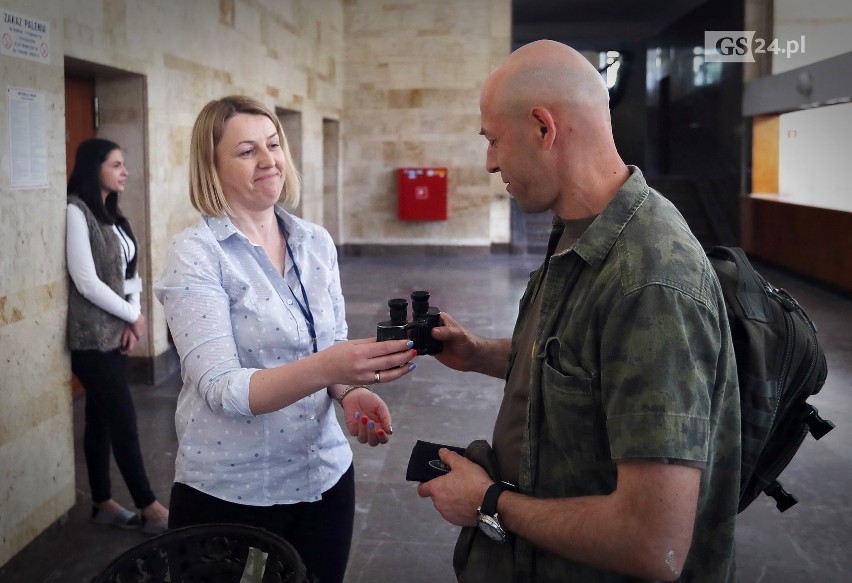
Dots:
(399, 538)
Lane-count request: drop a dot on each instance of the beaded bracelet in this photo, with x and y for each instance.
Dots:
(348, 390)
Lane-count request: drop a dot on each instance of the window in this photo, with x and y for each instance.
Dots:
(704, 73)
(610, 68)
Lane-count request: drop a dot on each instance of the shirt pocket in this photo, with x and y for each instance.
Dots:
(572, 415)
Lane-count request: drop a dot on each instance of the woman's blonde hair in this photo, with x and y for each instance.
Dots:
(205, 189)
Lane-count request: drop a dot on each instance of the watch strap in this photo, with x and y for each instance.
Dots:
(492, 494)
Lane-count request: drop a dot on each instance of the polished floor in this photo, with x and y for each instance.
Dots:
(399, 538)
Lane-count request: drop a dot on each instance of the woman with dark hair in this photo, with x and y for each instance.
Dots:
(104, 323)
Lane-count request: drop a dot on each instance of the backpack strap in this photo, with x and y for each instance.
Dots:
(751, 293)
(816, 424)
(783, 499)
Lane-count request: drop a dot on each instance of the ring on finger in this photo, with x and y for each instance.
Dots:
(378, 377)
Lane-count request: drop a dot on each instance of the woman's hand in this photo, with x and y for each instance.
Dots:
(367, 362)
(367, 416)
(354, 362)
(138, 326)
(128, 339)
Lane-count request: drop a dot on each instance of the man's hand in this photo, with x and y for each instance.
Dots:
(468, 352)
(459, 348)
(457, 494)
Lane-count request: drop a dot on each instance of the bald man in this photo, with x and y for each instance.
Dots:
(618, 438)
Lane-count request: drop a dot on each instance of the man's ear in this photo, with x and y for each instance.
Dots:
(546, 125)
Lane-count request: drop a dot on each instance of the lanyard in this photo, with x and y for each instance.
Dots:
(305, 309)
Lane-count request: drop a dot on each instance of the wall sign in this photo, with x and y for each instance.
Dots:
(24, 37)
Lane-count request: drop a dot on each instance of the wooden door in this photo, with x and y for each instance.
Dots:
(79, 126)
(79, 115)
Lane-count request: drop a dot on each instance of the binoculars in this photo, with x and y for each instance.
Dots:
(419, 329)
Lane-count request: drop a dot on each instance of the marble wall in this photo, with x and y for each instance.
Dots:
(396, 82)
(412, 75)
(169, 58)
(36, 448)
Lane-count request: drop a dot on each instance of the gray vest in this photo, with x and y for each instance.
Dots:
(90, 327)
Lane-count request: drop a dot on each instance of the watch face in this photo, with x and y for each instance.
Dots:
(491, 527)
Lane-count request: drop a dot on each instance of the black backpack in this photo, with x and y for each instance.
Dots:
(779, 365)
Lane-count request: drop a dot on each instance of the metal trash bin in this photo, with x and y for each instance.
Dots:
(208, 553)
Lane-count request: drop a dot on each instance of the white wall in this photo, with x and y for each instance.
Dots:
(814, 144)
(826, 26)
(814, 157)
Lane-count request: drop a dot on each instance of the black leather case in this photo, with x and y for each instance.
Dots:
(425, 463)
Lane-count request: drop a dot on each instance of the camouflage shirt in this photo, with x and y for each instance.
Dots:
(632, 360)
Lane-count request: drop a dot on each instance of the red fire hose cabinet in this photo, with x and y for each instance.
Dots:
(422, 194)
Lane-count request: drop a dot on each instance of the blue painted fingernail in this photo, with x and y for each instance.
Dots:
(412, 367)
(411, 343)
(371, 425)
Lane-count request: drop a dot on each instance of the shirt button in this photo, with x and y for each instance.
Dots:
(312, 417)
(289, 302)
(313, 447)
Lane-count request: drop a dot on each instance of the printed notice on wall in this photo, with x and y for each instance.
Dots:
(27, 138)
(24, 37)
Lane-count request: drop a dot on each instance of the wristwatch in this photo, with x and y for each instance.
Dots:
(488, 519)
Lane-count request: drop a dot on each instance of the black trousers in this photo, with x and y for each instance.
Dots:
(110, 425)
(321, 532)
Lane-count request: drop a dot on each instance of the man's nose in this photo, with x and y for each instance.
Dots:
(491, 165)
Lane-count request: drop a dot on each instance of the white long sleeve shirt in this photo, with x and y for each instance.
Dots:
(81, 267)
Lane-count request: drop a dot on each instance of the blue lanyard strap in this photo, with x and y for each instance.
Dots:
(306, 308)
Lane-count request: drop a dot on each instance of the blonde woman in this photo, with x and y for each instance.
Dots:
(253, 300)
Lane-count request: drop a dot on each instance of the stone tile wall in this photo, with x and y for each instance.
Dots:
(401, 77)
(413, 73)
(176, 56)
